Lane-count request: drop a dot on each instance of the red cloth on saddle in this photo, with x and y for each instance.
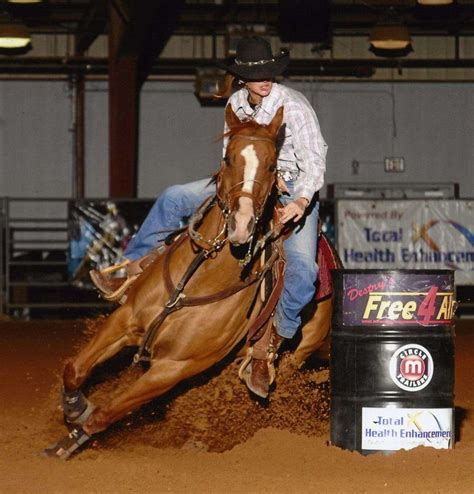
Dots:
(327, 259)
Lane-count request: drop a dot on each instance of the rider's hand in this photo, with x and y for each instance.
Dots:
(281, 186)
(294, 211)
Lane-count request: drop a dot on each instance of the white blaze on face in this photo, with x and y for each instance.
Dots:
(245, 211)
(251, 165)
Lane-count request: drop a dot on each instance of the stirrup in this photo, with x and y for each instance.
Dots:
(245, 363)
(245, 371)
(115, 267)
(120, 292)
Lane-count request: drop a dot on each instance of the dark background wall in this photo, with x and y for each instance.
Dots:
(428, 124)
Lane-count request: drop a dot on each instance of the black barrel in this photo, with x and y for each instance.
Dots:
(392, 359)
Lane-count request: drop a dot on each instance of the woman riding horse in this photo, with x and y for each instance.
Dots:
(301, 167)
(196, 301)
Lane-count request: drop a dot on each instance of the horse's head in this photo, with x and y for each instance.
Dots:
(247, 174)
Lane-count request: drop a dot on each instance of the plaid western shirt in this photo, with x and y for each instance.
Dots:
(302, 152)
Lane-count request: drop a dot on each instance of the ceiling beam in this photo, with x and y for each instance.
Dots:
(92, 24)
(156, 27)
(187, 67)
(345, 19)
(349, 18)
(147, 27)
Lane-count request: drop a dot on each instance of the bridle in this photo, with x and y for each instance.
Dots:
(226, 202)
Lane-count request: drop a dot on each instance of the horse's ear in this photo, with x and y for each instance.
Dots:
(230, 117)
(275, 124)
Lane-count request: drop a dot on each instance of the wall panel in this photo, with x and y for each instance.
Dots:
(430, 125)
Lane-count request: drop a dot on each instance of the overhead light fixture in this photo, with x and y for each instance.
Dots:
(25, 2)
(435, 2)
(13, 33)
(390, 37)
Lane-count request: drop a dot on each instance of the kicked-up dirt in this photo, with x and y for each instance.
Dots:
(207, 436)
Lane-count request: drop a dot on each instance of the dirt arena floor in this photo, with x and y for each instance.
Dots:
(209, 436)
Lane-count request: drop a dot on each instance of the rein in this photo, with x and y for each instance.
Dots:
(260, 244)
(218, 241)
(178, 299)
(208, 247)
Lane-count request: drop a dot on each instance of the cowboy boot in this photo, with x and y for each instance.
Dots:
(260, 372)
(113, 288)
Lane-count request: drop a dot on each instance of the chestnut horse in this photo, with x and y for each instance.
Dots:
(210, 273)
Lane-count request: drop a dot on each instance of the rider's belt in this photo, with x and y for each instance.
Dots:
(287, 175)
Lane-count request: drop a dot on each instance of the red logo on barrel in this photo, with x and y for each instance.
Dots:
(411, 367)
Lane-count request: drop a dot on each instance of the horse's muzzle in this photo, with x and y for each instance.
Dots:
(240, 228)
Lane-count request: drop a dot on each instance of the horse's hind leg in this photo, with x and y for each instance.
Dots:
(315, 332)
(114, 335)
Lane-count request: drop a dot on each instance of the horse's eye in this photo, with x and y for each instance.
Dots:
(273, 168)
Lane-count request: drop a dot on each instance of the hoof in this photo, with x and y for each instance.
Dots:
(64, 448)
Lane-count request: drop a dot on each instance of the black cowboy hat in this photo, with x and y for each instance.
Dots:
(254, 60)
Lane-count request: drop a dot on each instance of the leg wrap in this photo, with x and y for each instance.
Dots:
(76, 407)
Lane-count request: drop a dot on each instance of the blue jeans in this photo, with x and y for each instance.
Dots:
(167, 214)
(178, 202)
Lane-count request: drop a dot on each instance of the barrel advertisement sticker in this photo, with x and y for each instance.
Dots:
(411, 367)
(398, 298)
(391, 429)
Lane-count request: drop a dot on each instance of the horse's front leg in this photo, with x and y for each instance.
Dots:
(160, 378)
(163, 375)
(114, 335)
